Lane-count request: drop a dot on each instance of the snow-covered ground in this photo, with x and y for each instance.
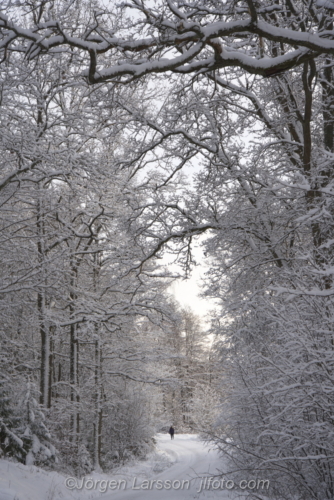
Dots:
(177, 469)
(188, 459)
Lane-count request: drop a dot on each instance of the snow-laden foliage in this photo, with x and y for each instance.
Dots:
(36, 437)
(181, 37)
(24, 435)
(74, 280)
(189, 403)
(262, 193)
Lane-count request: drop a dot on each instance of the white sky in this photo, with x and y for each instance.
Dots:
(187, 292)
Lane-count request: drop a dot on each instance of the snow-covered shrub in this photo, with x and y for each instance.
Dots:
(129, 429)
(23, 433)
(33, 431)
(74, 459)
(85, 464)
(9, 443)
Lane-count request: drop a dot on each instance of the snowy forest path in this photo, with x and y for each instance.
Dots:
(193, 461)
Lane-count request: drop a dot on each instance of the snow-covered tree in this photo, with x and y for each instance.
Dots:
(250, 97)
(73, 281)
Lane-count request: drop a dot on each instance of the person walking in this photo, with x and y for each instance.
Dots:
(171, 432)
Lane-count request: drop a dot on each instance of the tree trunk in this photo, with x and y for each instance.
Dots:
(51, 368)
(43, 329)
(98, 408)
(73, 381)
(45, 350)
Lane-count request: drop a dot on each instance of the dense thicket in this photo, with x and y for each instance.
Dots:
(71, 291)
(250, 99)
(86, 326)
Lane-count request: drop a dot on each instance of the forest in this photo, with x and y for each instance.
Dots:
(130, 133)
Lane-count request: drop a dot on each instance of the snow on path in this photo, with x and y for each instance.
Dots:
(183, 479)
(175, 470)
